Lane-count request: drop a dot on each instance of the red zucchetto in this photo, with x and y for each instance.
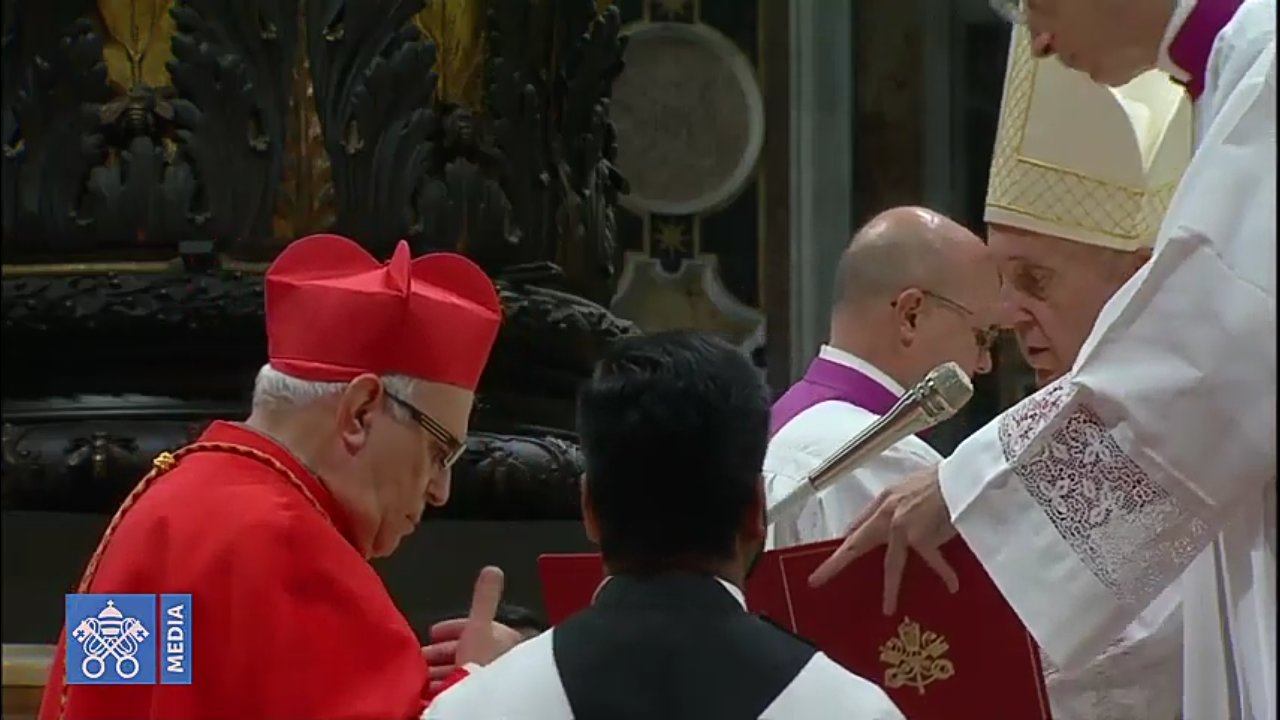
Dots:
(334, 312)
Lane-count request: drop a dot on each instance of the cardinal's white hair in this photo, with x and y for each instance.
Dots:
(273, 388)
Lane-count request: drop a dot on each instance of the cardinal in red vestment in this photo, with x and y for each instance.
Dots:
(269, 524)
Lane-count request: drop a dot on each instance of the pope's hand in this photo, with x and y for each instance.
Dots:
(476, 638)
(911, 514)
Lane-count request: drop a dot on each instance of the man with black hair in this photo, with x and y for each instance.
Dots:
(674, 428)
(522, 620)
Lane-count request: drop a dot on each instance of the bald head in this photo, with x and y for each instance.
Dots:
(904, 247)
(915, 289)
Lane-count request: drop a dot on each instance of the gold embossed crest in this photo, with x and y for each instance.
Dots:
(915, 657)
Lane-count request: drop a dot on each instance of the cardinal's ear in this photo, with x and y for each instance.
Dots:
(355, 410)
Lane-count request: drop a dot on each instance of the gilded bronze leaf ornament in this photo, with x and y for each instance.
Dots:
(157, 154)
(457, 28)
(137, 45)
(304, 204)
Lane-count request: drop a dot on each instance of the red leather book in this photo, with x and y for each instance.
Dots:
(940, 656)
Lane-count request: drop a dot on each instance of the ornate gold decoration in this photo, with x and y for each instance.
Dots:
(136, 46)
(305, 201)
(671, 237)
(915, 658)
(692, 298)
(457, 28)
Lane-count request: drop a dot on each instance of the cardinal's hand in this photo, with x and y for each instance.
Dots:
(912, 515)
(476, 639)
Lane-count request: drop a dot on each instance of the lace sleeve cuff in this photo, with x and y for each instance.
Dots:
(1075, 534)
(1071, 615)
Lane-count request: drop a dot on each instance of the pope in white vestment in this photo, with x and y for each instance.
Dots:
(1090, 498)
(1061, 136)
(1081, 177)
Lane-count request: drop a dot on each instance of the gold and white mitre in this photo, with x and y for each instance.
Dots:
(1083, 161)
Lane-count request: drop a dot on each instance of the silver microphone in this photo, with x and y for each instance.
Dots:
(937, 397)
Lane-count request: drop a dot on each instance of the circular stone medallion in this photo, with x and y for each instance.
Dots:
(690, 119)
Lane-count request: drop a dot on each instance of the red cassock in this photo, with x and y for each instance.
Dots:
(289, 621)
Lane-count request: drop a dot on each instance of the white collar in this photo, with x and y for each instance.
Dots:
(1181, 10)
(734, 590)
(849, 360)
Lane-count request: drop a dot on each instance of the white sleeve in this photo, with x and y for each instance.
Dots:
(799, 447)
(523, 683)
(1139, 674)
(841, 503)
(811, 438)
(1092, 496)
(824, 689)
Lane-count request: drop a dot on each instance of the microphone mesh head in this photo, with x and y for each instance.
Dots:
(946, 389)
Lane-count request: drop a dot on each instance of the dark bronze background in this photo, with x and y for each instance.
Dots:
(151, 171)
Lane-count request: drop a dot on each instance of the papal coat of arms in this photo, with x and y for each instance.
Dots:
(915, 658)
(110, 635)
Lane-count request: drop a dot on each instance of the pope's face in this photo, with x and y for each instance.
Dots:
(1112, 41)
(1052, 291)
(408, 462)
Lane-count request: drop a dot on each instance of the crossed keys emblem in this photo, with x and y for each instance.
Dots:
(110, 634)
(915, 658)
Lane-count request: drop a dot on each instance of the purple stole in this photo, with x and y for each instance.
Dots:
(826, 380)
(1191, 46)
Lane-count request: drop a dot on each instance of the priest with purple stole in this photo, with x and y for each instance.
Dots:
(913, 290)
